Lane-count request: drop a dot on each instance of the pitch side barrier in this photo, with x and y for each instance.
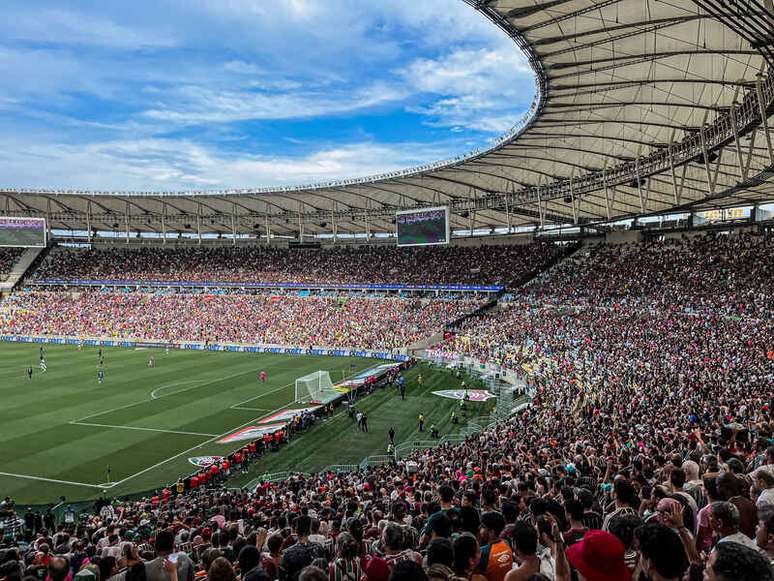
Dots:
(196, 346)
(266, 285)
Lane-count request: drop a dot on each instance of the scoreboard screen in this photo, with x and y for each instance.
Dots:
(423, 227)
(22, 231)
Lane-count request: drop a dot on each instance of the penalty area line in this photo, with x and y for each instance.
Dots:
(238, 405)
(209, 441)
(191, 385)
(77, 423)
(54, 480)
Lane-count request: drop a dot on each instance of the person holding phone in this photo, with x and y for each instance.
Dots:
(169, 565)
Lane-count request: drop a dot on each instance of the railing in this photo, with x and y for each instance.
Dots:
(340, 468)
(377, 460)
(273, 477)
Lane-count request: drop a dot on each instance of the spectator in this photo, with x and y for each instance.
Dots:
(737, 562)
(496, 554)
(347, 565)
(250, 564)
(301, 553)
(159, 570)
(525, 542)
(662, 557)
(724, 519)
(600, 555)
(467, 555)
(440, 560)
(221, 570)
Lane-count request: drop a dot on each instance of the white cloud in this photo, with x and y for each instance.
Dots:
(160, 67)
(69, 27)
(477, 89)
(160, 164)
(196, 105)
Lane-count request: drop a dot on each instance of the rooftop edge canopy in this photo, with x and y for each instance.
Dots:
(642, 106)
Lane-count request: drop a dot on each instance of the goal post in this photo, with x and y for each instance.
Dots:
(315, 387)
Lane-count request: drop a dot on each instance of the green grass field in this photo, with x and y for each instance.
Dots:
(61, 430)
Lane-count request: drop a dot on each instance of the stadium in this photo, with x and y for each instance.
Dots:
(548, 358)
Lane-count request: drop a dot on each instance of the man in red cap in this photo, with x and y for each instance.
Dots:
(599, 556)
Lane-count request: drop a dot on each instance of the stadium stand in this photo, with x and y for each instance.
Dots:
(267, 319)
(712, 273)
(647, 449)
(8, 257)
(647, 446)
(494, 265)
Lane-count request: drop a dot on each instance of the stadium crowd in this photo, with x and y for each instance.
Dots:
(8, 257)
(285, 320)
(720, 274)
(503, 265)
(647, 454)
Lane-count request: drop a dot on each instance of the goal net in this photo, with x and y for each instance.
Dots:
(316, 387)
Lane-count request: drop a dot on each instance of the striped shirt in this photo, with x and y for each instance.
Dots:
(592, 520)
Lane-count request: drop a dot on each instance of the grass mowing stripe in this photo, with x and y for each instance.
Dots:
(36, 438)
(201, 383)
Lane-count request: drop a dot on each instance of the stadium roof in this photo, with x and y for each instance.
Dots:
(642, 106)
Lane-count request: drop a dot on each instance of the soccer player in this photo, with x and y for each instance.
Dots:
(29, 372)
(43, 366)
(101, 376)
(421, 422)
(420, 380)
(151, 361)
(263, 376)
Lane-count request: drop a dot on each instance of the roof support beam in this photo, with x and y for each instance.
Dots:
(764, 117)
(570, 15)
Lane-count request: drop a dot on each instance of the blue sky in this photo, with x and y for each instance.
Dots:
(207, 94)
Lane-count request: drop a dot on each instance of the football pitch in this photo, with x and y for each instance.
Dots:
(62, 433)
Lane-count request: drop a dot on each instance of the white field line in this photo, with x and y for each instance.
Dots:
(115, 409)
(237, 405)
(226, 433)
(75, 423)
(200, 383)
(54, 480)
(191, 384)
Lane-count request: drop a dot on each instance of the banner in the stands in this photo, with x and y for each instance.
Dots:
(287, 415)
(472, 394)
(262, 285)
(252, 433)
(206, 347)
(361, 378)
(205, 461)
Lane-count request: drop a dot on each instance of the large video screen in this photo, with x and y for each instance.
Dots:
(423, 227)
(22, 231)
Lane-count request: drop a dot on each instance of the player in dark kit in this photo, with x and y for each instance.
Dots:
(29, 373)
